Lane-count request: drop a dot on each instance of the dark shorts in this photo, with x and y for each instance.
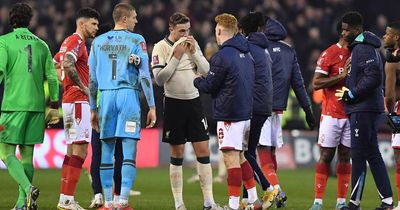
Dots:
(184, 121)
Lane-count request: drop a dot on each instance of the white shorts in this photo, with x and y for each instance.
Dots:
(233, 135)
(271, 132)
(77, 125)
(396, 141)
(334, 131)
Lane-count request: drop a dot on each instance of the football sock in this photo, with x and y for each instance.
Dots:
(175, 176)
(205, 174)
(73, 173)
(107, 168)
(234, 184)
(321, 177)
(248, 181)
(268, 167)
(343, 172)
(64, 171)
(14, 167)
(26, 160)
(128, 171)
(397, 178)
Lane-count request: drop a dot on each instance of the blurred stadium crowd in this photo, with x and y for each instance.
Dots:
(310, 23)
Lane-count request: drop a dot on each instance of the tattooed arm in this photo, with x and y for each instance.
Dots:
(69, 67)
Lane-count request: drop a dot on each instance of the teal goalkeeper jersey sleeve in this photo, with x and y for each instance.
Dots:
(109, 63)
(25, 63)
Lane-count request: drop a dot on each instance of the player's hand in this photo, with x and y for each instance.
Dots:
(151, 118)
(340, 92)
(85, 90)
(191, 44)
(94, 119)
(52, 117)
(179, 50)
(347, 67)
(134, 59)
(310, 118)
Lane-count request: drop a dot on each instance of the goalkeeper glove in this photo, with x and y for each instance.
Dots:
(345, 95)
(134, 59)
(52, 117)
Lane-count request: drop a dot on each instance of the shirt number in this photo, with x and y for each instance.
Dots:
(28, 50)
(113, 58)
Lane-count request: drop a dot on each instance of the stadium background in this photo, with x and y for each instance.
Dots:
(311, 28)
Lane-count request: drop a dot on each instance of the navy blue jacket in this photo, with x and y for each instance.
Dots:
(230, 81)
(365, 79)
(262, 74)
(285, 68)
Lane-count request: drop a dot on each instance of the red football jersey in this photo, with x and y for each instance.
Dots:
(75, 46)
(331, 63)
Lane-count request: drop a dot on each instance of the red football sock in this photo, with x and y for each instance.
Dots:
(64, 170)
(247, 175)
(268, 166)
(273, 155)
(234, 181)
(73, 174)
(321, 176)
(397, 177)
(343, 172)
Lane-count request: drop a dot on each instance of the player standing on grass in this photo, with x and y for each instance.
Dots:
(120, 81)
(73, 60)
(231, 83)
(334, 131)
(363, 98)
(252, 26)
(285, 74)
(391, 41)
(24, 65)
(175, 62)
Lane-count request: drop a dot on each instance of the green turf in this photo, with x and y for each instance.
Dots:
(156, 193)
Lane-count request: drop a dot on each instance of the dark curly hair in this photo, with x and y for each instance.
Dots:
(353, 18)
(251, 22)
(20, 15)
(87, 12)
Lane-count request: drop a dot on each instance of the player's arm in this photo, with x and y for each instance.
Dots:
(297, 83)
(4, 58)
(198, 58)
(372, 73)
(146, 83)
(162, 73)
(68, 65)
(214, 79)
(321, 80)
(51, 76)
(93, 89)
(390, 85)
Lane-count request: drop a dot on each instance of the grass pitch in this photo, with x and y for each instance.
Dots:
(156, 194)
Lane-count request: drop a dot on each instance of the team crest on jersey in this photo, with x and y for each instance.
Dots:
(227, 125)
(155, 60)
(341, 57)
(144, 47)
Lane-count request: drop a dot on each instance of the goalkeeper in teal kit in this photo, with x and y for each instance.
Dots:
(118, 64)
(24, 65)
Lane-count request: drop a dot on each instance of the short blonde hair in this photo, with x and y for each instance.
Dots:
(121, 10)
(227, 21)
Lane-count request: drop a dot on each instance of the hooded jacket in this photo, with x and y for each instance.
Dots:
(365, 78)
(263, 88)
(285, 68)
(230, 81)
